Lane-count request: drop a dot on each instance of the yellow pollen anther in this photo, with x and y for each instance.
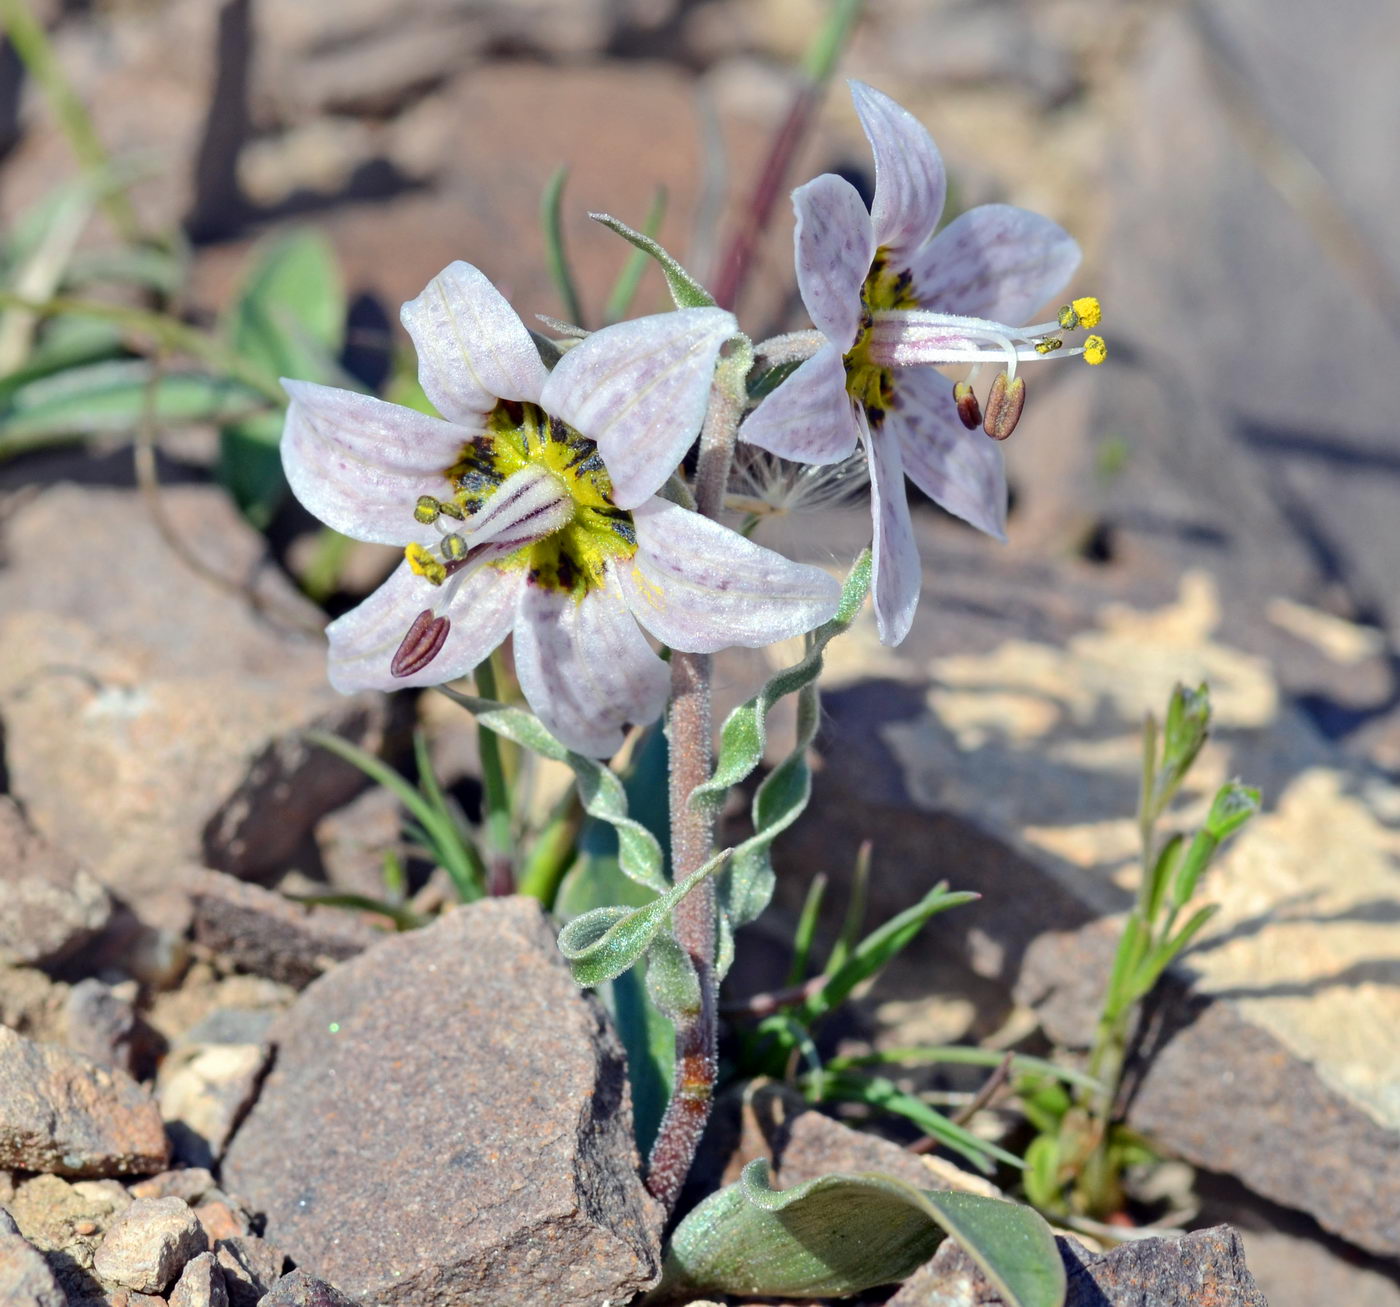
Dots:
(426, 510)
(423, 564)
(454, 547)
(1049, 345)
(1067, 317)
(1095, 349)
(448, 508)
(1087, 310)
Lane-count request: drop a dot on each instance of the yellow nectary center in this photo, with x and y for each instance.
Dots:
(867, 382)
(574, 558)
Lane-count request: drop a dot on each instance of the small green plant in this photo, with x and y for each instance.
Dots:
(1075, 1165)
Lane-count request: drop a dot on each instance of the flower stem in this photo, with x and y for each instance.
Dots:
(691, 737)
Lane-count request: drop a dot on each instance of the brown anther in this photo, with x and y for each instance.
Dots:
(421, 645)
(1004, 405)
(969, 410)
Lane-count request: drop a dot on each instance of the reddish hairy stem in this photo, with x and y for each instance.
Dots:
(738, 255)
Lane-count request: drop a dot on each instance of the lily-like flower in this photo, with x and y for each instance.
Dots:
(891, 304)
(530, 507)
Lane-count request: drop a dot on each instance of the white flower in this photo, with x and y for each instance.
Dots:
(530, 508)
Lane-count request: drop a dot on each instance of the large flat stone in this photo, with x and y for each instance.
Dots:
(155, 718)
(448, 1120)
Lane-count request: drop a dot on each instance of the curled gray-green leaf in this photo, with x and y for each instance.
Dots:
(843, 1234)
(599, 789)
(600, 945)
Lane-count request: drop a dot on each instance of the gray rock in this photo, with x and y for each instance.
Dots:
(156, 720)
(64, 1114)
(260, 931)
(51, 904)
(448, 1119)
(299, 1289)
(149, 1245)
(192, 1184)
(201, 1284)
(250, 1267)
(25, 1277)
(1204, 1267)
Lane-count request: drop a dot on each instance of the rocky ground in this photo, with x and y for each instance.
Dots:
(203, 1085)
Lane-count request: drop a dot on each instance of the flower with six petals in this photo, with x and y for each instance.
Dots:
(891, 300)
(530, 507)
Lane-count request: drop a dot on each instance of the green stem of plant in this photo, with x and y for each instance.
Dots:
(500, 843)
(36, 53)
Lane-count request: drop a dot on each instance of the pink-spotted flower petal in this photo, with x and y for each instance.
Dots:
(994, 262)
(359, 464)
(481, 610)
(809, 418)
(640, 390)
(960, 470)
(834, 245)
(910, 183)
(586, 668)
(472, 347)
(697, 586)
(897, 573)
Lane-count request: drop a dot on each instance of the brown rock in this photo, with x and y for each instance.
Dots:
(203, 1091)
(263, 932)
(56, 1216)
(156, 720)
(298, 1289)
(1017, 760)
(190, 1183)
(1204, 1267)
(250, 1267)
(103, 1025)
(52, 905)
(64, 1114)
(491, 1160)
(1206, 1084)
(149, 1245)
(25, 1277)
(221, 1220)
(201, 1284)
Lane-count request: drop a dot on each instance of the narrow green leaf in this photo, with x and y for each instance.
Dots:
(1132, 948)
(109, 398)
(806, 929)
(686, 292)
(886, 1096)
(145, 266)
(1163, 869)
(628, 280)
(602, 793)
(843, 1234)
(551, 219)
(854, 920)
(458, 857)
(602, 944)
(965, 1055)
(878, 947)
(1151, 967)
